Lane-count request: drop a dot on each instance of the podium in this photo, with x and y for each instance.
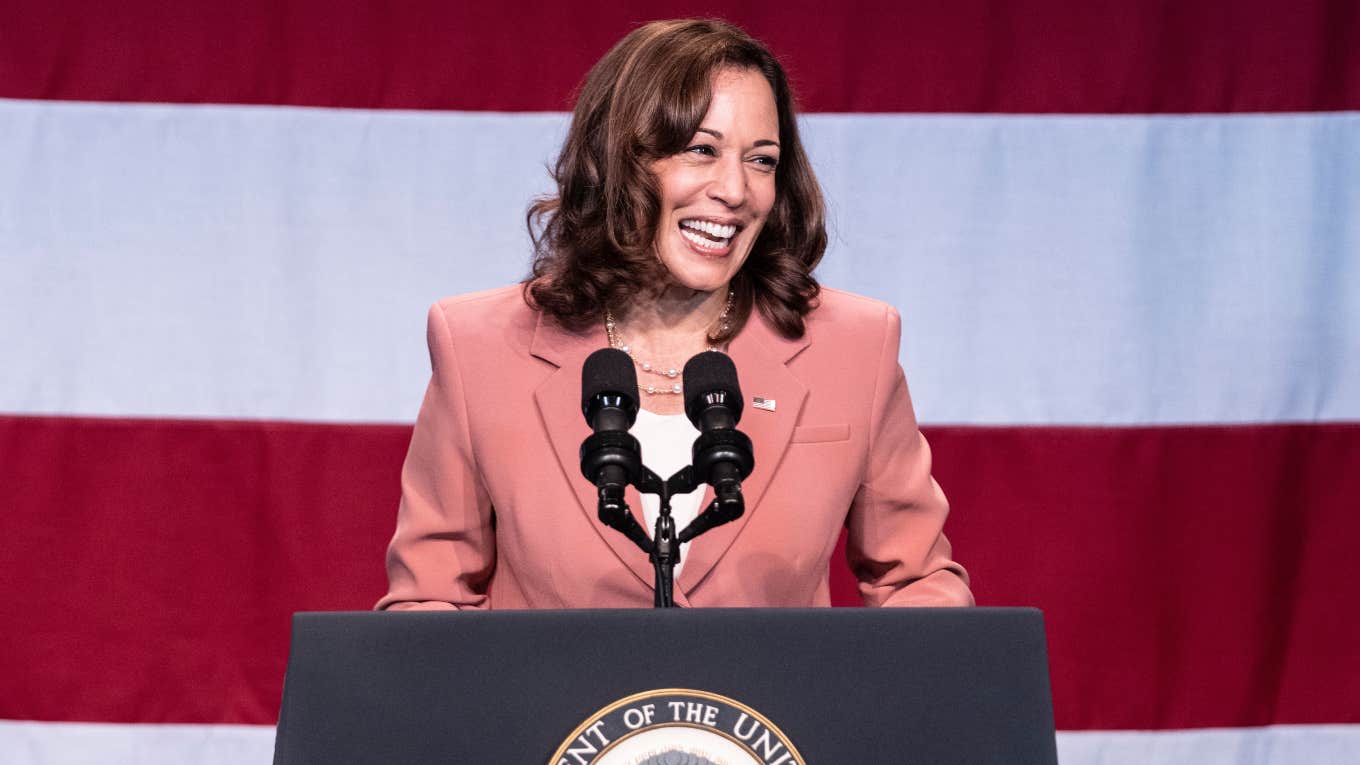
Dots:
(732, 686)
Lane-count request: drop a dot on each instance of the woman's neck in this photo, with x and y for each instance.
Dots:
(665, 330)
(674, 320)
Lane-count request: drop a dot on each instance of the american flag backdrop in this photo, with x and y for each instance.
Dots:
(1124, 238)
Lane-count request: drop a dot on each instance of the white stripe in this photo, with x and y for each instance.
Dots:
(1273, 745)
(44, 743)
(219, 261)
(247, 262)
(1108, 270)
(27, 742)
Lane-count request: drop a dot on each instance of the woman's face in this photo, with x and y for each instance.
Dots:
(717, 193)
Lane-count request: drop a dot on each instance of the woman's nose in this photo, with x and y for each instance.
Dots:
(728, 184)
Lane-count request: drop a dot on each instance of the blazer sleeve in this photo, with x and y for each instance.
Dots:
(443, 553)
(895, 543)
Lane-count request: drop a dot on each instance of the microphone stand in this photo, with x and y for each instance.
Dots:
(663, 548)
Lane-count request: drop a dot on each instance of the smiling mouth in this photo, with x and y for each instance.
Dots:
(707, 235)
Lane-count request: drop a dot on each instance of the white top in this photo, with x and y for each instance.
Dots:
(667, 440)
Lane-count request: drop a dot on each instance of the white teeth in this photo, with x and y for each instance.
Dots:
(706, 243)
(716, 229)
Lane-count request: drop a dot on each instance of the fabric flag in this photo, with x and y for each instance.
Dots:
(1124, 238)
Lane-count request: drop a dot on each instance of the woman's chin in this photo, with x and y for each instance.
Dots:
(701, 273)
(700, 282)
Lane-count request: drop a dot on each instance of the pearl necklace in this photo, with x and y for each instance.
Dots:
(676, 387)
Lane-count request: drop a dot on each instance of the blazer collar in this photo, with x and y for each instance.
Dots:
(559, 407)
(761, 356)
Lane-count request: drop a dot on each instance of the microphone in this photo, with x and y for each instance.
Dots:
(609, 403)
(722, 455)
(611, 457)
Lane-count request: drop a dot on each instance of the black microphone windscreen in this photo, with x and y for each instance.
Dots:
(608, 370)
(707, 373)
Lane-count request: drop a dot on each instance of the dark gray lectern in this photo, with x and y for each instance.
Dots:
(845, 686)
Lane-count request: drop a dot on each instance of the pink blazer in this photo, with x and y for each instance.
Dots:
(495, 513)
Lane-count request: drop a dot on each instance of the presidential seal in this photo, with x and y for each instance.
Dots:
(675, 726)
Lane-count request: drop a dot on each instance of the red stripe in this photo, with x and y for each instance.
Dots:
(1190, 576)
(1106, 56)
(153, 566)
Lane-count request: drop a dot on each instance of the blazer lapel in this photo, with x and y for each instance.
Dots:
(559, 407)
(761, 356)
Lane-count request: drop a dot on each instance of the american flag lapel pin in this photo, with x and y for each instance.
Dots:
(763, 403)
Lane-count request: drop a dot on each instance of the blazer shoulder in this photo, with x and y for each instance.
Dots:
(839, 311)
(491, 318)
(493, 302)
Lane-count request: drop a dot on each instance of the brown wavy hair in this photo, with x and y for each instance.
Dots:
(593, 240)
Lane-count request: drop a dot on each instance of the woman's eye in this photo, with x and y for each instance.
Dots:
(768, 161)
(703, 148)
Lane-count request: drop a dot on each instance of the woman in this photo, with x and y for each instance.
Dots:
(687, 218)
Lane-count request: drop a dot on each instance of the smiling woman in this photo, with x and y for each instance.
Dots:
(692, 114)
(716, 194)
(687, 218)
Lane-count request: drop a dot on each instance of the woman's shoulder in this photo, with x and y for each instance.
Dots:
(499, 301)
(839, 311)
(495, 315)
